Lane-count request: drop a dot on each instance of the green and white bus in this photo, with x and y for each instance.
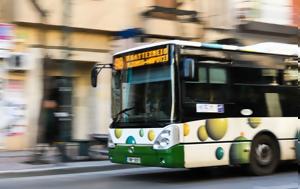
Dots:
(182, 104)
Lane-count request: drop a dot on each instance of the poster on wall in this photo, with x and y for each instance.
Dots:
(14, 108)
(6, 36)
(2, 125)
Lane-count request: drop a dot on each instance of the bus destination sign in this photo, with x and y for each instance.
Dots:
(137, 59)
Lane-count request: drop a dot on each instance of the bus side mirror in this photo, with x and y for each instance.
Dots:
(94, 74)
(96, 70)
(189, 68)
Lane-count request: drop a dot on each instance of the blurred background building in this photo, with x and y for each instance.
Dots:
(63, 39)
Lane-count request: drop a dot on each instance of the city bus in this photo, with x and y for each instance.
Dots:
(182, 104)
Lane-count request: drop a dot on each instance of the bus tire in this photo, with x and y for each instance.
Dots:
(264, 155)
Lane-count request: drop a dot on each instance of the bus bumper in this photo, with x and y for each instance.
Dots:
(147, 156)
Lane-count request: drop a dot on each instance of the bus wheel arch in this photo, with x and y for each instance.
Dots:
(264, 153)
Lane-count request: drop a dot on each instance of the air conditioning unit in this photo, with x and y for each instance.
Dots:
(18, 62)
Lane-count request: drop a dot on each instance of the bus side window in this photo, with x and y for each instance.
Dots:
(209, 85)
(250, 97)
(273, 104)
(270, 77)
(202, 74)
(217, 75)
(290, 75)
(256, 76)
(289, 100)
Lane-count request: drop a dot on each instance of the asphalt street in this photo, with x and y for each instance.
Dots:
(145, 177)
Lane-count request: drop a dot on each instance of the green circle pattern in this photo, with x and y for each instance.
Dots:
(142, 132)
(219, 153)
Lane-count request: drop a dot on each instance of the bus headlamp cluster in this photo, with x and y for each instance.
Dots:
(167, 138)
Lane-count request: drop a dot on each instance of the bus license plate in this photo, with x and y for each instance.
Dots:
(135, 160)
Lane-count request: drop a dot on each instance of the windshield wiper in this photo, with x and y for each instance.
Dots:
(117, 116)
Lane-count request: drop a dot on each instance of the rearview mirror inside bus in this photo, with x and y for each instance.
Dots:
(94, 74)
(189, 68)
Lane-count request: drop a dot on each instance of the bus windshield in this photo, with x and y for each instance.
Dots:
(146, 92)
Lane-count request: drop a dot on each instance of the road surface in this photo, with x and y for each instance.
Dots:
(152, 178)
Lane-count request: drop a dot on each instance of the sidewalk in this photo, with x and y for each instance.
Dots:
(13, 164)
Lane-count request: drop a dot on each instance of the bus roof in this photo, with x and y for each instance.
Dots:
(294, 49)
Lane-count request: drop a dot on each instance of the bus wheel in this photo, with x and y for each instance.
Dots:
(264, 155)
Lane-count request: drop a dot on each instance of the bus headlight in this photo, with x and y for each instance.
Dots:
(167, 138)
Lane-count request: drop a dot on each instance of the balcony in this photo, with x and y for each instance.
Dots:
(165, 22)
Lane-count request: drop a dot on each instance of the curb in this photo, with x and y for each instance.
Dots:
(14, 155)
(64, 169)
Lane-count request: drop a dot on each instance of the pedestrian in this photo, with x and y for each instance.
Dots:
(49, 123)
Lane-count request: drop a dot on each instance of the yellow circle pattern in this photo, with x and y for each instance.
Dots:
(216, 128)
(151, 135)
(254, 122)
(202, 133)
(186, 129)
(118, 133)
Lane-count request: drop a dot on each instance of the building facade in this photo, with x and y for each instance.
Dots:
(63, 39)
(250, 22)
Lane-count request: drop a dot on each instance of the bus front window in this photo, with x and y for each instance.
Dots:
(147, 92)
